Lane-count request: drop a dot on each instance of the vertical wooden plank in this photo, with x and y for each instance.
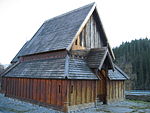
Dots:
(111, 91)
(98, 38)
(113, 84)
(75, 92)
(49, 92)
(83, 91)
(19, 87)
(123, 89)
(72, 93)
(88, 34)
(31, 88)
(9, 87)
(92, 32)
(119, 90)
(22, 88)
(53, 96)
(59, 92)
(92, 92)
(116, 90)
(78, 92)
(42, 92)
(46, 90)
(108, 91)
(38, 89)
(12, 87)
(34, 88)
(16, 87)
(88, 91)
(65, 94)
(6, 86)
(25, 88)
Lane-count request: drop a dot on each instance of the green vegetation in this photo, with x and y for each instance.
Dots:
(134, 58)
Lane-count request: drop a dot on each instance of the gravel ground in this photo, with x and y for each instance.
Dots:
(8, 105)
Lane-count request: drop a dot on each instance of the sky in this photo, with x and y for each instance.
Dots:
(123, 20)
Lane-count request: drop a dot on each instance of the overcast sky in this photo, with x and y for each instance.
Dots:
(123, 20)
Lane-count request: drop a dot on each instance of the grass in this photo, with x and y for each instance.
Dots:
(138, 101)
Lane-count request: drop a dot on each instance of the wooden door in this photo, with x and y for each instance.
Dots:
(101, 87)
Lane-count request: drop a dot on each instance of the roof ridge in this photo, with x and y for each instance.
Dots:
(61, 15)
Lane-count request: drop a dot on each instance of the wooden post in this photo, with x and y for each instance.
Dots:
(96, 99)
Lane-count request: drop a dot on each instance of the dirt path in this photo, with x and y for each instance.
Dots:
(8, 105)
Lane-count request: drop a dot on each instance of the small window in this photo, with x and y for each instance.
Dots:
(72, 89)
(76, 42)
(59, 88)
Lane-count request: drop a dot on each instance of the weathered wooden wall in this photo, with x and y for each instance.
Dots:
(47, 55)
(81, 91)
(42, 91)
(115, 90)
(89, 37)
(109, 90)
(57, 93)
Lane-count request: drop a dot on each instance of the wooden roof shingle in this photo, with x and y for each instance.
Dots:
(55, 68)
(96, 57)
(117, 74)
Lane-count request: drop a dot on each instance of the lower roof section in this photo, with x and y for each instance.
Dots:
(51, 68)
(78, 69)
(54, 68)
(117, 74)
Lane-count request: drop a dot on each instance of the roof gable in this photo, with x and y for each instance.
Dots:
(57, 33)
(60, 32)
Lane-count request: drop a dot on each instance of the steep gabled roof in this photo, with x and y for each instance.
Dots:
(59, 32)
(117, 74)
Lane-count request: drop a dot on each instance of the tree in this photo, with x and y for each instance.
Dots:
(134, 58)
(1, 68)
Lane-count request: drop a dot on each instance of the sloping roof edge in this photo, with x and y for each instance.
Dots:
(103, 59)
(123, 73)
(9, 68)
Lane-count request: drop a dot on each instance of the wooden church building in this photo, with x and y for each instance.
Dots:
(67, 65)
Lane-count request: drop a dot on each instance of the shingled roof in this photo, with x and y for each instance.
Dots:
(59, 32)
(56, 68)
(97, 56)
(117, 74)
(56, 33)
